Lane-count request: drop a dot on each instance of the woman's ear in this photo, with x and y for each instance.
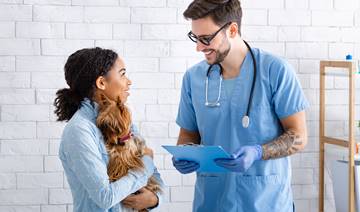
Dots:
(100, 83)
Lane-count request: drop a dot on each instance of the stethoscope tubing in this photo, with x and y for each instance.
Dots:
(217, 102)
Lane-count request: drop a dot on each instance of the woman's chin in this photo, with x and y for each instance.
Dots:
(124, 98)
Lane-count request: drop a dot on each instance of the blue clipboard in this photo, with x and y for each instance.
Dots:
(204, 155)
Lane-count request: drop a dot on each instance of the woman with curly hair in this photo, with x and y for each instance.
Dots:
(86, 153)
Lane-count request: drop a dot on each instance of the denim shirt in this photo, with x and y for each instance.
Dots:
(84, 158)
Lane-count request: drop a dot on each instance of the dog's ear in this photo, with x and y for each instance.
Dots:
(108, 127)
(120, 104)
(124, 117)
(113, 119)
(114, 122)
(103, 100)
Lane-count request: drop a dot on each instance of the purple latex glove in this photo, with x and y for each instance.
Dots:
(242, 159)
(185, 166)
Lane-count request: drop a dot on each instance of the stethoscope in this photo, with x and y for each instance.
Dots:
(246, 119)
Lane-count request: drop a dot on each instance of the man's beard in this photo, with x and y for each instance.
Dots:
(220, 55)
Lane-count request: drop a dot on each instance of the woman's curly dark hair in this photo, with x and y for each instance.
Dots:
(82, 69)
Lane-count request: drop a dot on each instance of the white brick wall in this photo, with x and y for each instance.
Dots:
(290, 17)
(7, 29)
(58, 13)
(127, 31)
(88, 31)
(20, 47)
(23, 197)
(62, 46)
(332, 18)
(107, 14)
(7, 63)
(39, 30)
(36, 37)
(153, 15)
(15, 12)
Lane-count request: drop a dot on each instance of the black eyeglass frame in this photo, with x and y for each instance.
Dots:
(206, 39)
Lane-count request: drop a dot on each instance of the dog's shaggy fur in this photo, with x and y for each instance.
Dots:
(114, 121)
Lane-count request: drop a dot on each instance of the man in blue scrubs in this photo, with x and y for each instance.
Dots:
(259, 177)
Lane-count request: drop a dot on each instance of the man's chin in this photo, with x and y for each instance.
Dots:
(210, 61)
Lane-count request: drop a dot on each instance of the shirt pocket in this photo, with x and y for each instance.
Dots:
(264, 125)
(208, 186)
(263, 189)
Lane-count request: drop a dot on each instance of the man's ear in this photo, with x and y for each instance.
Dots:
(233, 30)
(100, 83)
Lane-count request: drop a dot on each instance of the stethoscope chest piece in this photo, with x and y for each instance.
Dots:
(245, 121)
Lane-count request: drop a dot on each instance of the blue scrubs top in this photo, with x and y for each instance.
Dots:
(266, 185)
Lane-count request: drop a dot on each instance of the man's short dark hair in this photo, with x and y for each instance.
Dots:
(220, 11)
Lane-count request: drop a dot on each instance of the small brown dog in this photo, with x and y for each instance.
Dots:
(125, 150)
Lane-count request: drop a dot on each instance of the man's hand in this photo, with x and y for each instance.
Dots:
(242, 159)
(144, 199)
(185, 166)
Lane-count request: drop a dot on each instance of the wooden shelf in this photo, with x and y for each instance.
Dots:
(350, 73)
(335, 141)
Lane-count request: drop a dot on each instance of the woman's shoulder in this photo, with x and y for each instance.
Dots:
(79, 121)
(79, 129)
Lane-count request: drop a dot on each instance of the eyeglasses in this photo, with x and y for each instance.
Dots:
(205, 39)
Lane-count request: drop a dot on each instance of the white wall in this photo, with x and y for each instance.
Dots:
(36, 36)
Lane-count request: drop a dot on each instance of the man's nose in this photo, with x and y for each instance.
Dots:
(200, 46)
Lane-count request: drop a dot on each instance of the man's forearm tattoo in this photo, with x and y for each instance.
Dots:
(286, 144)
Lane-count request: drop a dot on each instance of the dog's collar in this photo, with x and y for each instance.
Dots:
(125, 138)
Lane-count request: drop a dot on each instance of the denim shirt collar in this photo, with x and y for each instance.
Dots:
(90, 109)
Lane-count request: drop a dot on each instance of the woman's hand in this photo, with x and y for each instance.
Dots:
(145, 199)
(149, 152)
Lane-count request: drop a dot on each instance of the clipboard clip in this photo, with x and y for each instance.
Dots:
(191, 144)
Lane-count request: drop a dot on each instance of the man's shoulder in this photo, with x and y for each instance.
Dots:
(195, 72)
(268, 58)
(202, 65)
(272, 64)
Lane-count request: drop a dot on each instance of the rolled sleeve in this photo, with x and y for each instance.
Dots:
(186, 117)
(287, 95)
(160, 194)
